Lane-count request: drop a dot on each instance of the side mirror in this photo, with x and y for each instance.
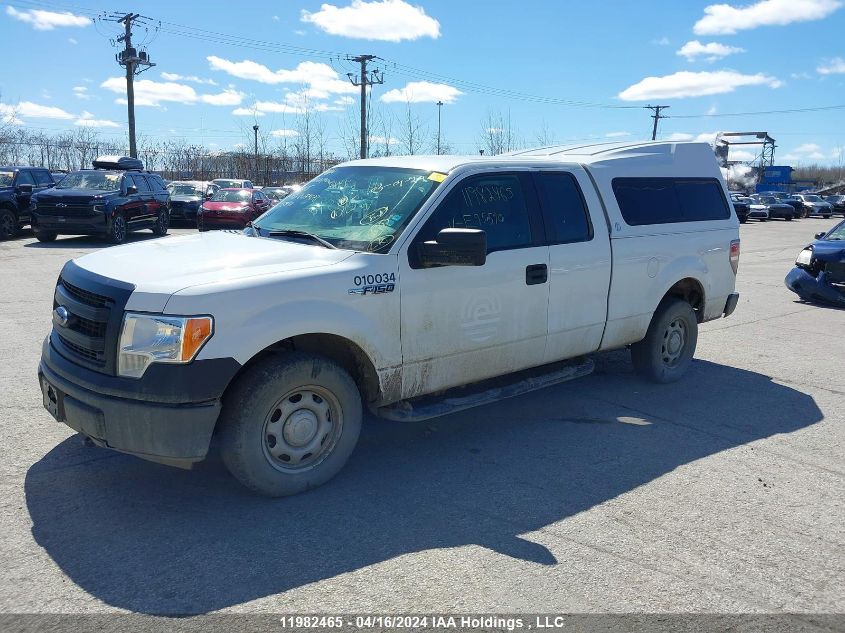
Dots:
(131, 190)
(24, 189)
(454, 247)
(820, 235)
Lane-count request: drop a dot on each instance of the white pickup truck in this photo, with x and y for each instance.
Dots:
(412, 286)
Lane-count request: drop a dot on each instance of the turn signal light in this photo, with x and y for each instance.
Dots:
(734, 254)
(197, 331)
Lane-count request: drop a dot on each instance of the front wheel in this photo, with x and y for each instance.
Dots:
(46, 236)
(8, 224)
(117, 231)
(666, 352)
(789, 218)
(162, 223)
(290, 423)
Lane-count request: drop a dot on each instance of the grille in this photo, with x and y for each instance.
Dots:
(88, 354)
(94, 329)
(85, 296)
(70, 209)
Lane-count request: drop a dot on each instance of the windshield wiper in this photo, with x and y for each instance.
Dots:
(293, 233)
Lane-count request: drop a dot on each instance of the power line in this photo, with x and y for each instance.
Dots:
(656, 116)
(790, 111)
(366, 78)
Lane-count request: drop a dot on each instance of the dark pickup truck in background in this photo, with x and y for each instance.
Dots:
(17, 185)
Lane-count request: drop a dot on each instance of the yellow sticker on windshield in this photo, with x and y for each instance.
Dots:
(436, 176)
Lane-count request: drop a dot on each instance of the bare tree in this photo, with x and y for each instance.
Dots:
(545, 137)
(498, 135)
(413, 132)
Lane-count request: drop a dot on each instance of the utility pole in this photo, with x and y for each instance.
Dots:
(255, 130)
(439, 107)
(656, 116)
(364, 80)
(135, 62)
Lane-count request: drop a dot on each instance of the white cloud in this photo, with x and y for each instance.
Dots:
(617, 134)
(9, 115)
(422, 92)
(741, 154)
(29, 110)
(321, 79)
(835, 66)
(284, 133)
(189, 78)
(276, 18)
(711, 51)
(153, 93)
(712, 110)
(694, 84)
(385, 20)
(725, 19)
(86, 119)
(72, 40)
(247, 112)
(47, 20)
(81, 92)
(805, 153)
(663, 41)
(228, 97)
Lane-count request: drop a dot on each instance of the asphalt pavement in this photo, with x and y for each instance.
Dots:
(722, 493)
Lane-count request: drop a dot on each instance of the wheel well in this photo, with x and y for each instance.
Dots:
(342, 351)
(691, 291)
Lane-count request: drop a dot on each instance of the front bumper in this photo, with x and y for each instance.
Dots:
(167, 416)
(94, 224)
(810, 288)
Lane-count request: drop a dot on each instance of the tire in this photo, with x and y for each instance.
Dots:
(656, 357)
(788, 218)
(8, 224)
(162, 223)
(46, 236)
(826, 217)
(289, 424)
(117, 229)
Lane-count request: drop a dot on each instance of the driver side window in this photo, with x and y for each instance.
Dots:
(492, 202)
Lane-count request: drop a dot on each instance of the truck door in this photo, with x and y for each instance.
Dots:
(580, 262)
(462, 324)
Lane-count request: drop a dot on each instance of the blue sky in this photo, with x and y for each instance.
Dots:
(578, 70)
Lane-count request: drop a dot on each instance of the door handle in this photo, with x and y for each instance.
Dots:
(536, 274)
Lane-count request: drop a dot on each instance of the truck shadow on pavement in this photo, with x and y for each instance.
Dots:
(156, 540)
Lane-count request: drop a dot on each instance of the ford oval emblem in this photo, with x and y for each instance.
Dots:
(62, 316)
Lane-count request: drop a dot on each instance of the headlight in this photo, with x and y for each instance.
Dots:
(805, 257)
(147, 339)
(99, 208)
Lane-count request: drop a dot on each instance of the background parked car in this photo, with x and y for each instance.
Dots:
(775, 207)
(233, 183)
(837, 202)
(187, 196)
(790, 199)
(819, 273)
(741, 206)
(232, 209)
(110, 200)
(812, 204)
(277, 193)
(17, 185)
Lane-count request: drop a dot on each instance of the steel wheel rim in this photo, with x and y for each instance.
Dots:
(674, 342)
(301, 429)
(119, 228)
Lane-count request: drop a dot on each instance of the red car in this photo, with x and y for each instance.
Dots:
(232, 209)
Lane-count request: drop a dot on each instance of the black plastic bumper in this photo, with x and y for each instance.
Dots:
(811, 288)
(166, 416)
(730, 304)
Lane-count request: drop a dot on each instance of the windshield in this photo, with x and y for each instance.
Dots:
(6, 178)
(99, 180)
(185, 190)
(228, 184)
(275, 194)
(769, 199)
(836, 233)
(812, 199)
(359, 208)
(227, 195)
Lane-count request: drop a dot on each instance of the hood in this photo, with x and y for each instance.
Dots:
(225, 206)
(185, 198)
(72, 195)
(831, 251)
(167, 265)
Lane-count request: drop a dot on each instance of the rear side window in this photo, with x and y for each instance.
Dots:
(25, 178)
(495, 203)
(141, 183)
(156, 183)
(43, 178)
(564, 208)
(670, 200)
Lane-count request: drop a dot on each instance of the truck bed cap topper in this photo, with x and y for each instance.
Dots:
(126, 163)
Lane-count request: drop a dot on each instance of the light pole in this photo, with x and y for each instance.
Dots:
(439, 108)
(255, 129)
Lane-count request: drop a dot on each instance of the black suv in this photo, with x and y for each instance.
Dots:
(17, 184)
(115, 197)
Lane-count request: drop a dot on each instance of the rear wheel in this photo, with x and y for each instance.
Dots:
(8, 224)
(290, 423)
(666, 352)
(788, 218)
(46, 236)
(162, 223)
(117, 231)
